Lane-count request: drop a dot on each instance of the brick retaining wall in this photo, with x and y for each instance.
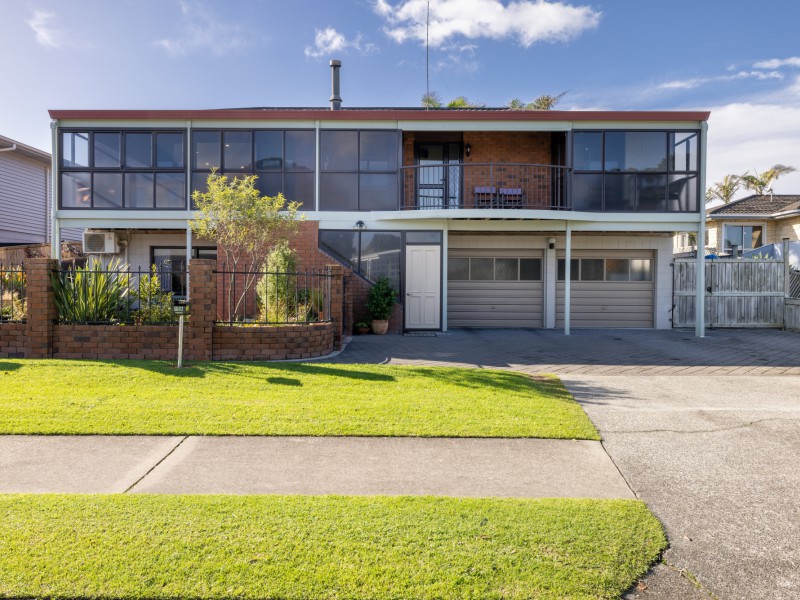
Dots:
(42, 337)
(158, 342)
(13, 343)
(273, 343)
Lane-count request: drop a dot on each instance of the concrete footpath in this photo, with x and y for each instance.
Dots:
(468, 467)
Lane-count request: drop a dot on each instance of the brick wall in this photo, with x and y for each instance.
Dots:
(13, 341)
(157, 342)
(273, 343)
(42, 337)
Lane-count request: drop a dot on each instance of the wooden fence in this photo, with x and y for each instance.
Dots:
(739, 293)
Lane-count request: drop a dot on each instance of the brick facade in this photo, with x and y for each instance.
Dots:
(496, 147)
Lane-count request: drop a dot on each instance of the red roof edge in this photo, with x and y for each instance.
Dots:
(388, 114)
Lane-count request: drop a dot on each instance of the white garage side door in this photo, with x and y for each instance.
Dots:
(495, 289)
(608, 290)
(423, 282)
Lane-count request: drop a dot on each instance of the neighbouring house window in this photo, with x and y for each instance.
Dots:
(635, 171)
(358, 170)
(494, 269)
(113, 170)
(607, 269)
(744, 237)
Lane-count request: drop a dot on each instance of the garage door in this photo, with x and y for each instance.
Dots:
(608, 289)
(494, 288)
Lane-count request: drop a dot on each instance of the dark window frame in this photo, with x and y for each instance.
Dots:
(254, 170)
(668, 171)
(359, 172)
(577, 274)
(494, 260)
(122, 169)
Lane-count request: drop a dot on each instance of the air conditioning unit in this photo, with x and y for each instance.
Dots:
(100, 242)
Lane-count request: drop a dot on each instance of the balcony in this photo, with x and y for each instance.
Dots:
(457, 185)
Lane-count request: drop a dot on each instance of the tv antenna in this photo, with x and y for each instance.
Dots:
(427, 55)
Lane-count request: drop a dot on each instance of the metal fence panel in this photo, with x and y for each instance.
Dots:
(13, 294)
(273, 298)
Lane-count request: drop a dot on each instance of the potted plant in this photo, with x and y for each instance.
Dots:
(361, 327)
(380, 302)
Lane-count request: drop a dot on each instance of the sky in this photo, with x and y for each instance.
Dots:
(738, 59)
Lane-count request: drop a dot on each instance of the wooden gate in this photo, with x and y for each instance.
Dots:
(739, 293)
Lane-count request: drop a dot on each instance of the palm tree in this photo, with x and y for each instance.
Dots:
(543, 102)
(724, 190)
(761, 182)
(431, 100)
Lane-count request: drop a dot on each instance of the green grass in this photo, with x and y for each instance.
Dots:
(148, 397)
(322, 547)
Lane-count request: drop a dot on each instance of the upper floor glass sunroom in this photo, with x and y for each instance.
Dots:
(367, 160)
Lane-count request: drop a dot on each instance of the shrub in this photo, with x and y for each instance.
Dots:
(381, 299)
(154, 304)
(276, 290)
(93, 294)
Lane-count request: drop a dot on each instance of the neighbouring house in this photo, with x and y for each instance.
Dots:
(483, 217)
(747, 223)
(25, 201)
(753, 222)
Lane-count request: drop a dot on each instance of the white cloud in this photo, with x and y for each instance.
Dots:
(526, 20)
(747, 136)
(688, 84)
(777, 63)
(201, 31)
(42, 26)
(329, 41)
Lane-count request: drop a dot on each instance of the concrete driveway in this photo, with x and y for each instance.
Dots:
(705, 431)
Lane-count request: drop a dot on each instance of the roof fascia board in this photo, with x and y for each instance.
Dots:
(628, 125)
(484, 125)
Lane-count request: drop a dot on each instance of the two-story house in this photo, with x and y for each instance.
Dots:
(480, 217)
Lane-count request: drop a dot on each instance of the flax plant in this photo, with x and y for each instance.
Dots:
(93, 294)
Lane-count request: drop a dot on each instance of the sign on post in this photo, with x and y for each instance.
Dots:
(180, 307)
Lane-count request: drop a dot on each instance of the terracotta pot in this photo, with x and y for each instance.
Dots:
(362, 330)
(380, 327)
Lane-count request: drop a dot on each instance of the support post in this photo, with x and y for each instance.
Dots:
(700, 275)
(567, 276)
(55, 225)
(445, 246)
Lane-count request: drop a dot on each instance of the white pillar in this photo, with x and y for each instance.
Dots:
(444, 275)
(550, 283)
(188, 255)
(317, 164)
(55, 225)
(700, 276)
(567, 275)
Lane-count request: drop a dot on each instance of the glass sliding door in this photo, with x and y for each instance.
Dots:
(439, 176)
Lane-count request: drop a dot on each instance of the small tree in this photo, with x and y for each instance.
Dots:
(245, 225)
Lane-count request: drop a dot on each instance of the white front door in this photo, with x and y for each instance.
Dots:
(423, 287)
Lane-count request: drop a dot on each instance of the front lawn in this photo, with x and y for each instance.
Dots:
(149, 397)
(322, 547)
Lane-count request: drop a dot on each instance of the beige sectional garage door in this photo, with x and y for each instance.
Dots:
(609, 289)
(495, 288)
